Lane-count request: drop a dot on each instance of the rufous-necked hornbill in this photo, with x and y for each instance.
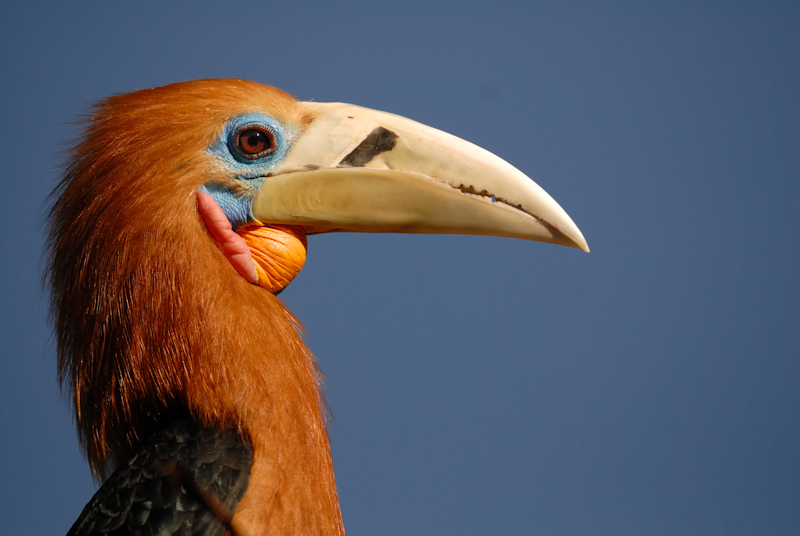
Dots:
(183, 211)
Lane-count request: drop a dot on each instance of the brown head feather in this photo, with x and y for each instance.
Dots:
(150, 318)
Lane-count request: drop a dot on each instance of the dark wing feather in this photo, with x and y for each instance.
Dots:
(187, 480)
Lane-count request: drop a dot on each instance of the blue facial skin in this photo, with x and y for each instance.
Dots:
(235, 196)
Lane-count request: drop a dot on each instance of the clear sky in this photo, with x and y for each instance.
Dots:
(482, 386)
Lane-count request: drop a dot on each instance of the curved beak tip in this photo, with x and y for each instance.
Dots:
(578, 241)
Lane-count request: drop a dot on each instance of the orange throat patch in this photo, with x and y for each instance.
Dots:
(270, 256)
(279, 253)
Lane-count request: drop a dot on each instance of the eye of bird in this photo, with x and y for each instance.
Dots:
(254, 142)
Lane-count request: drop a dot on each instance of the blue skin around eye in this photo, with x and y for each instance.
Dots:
(235, 195)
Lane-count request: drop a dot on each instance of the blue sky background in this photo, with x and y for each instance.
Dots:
(483, 386)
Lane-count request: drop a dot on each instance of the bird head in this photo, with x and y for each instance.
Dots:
(185, 209)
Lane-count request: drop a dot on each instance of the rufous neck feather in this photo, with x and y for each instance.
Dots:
(153, 322)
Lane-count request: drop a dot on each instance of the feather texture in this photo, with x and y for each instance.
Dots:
(152, 322)
(187, 479)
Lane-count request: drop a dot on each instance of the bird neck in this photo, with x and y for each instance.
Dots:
(292, 490)
(258, 372)
(292, 487)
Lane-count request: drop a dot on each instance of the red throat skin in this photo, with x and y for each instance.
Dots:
(270, 256)
(231, 244)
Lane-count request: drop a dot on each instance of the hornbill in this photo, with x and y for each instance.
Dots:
(182, 212)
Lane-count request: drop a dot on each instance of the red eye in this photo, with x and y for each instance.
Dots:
(254, 142)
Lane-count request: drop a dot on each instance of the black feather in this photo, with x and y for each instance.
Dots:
(187, 480)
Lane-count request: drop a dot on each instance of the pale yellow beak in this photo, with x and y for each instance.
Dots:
(356, 169)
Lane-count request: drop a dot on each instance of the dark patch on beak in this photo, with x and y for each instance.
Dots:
(379, 141)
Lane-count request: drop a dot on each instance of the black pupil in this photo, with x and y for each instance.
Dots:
(254, 141)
